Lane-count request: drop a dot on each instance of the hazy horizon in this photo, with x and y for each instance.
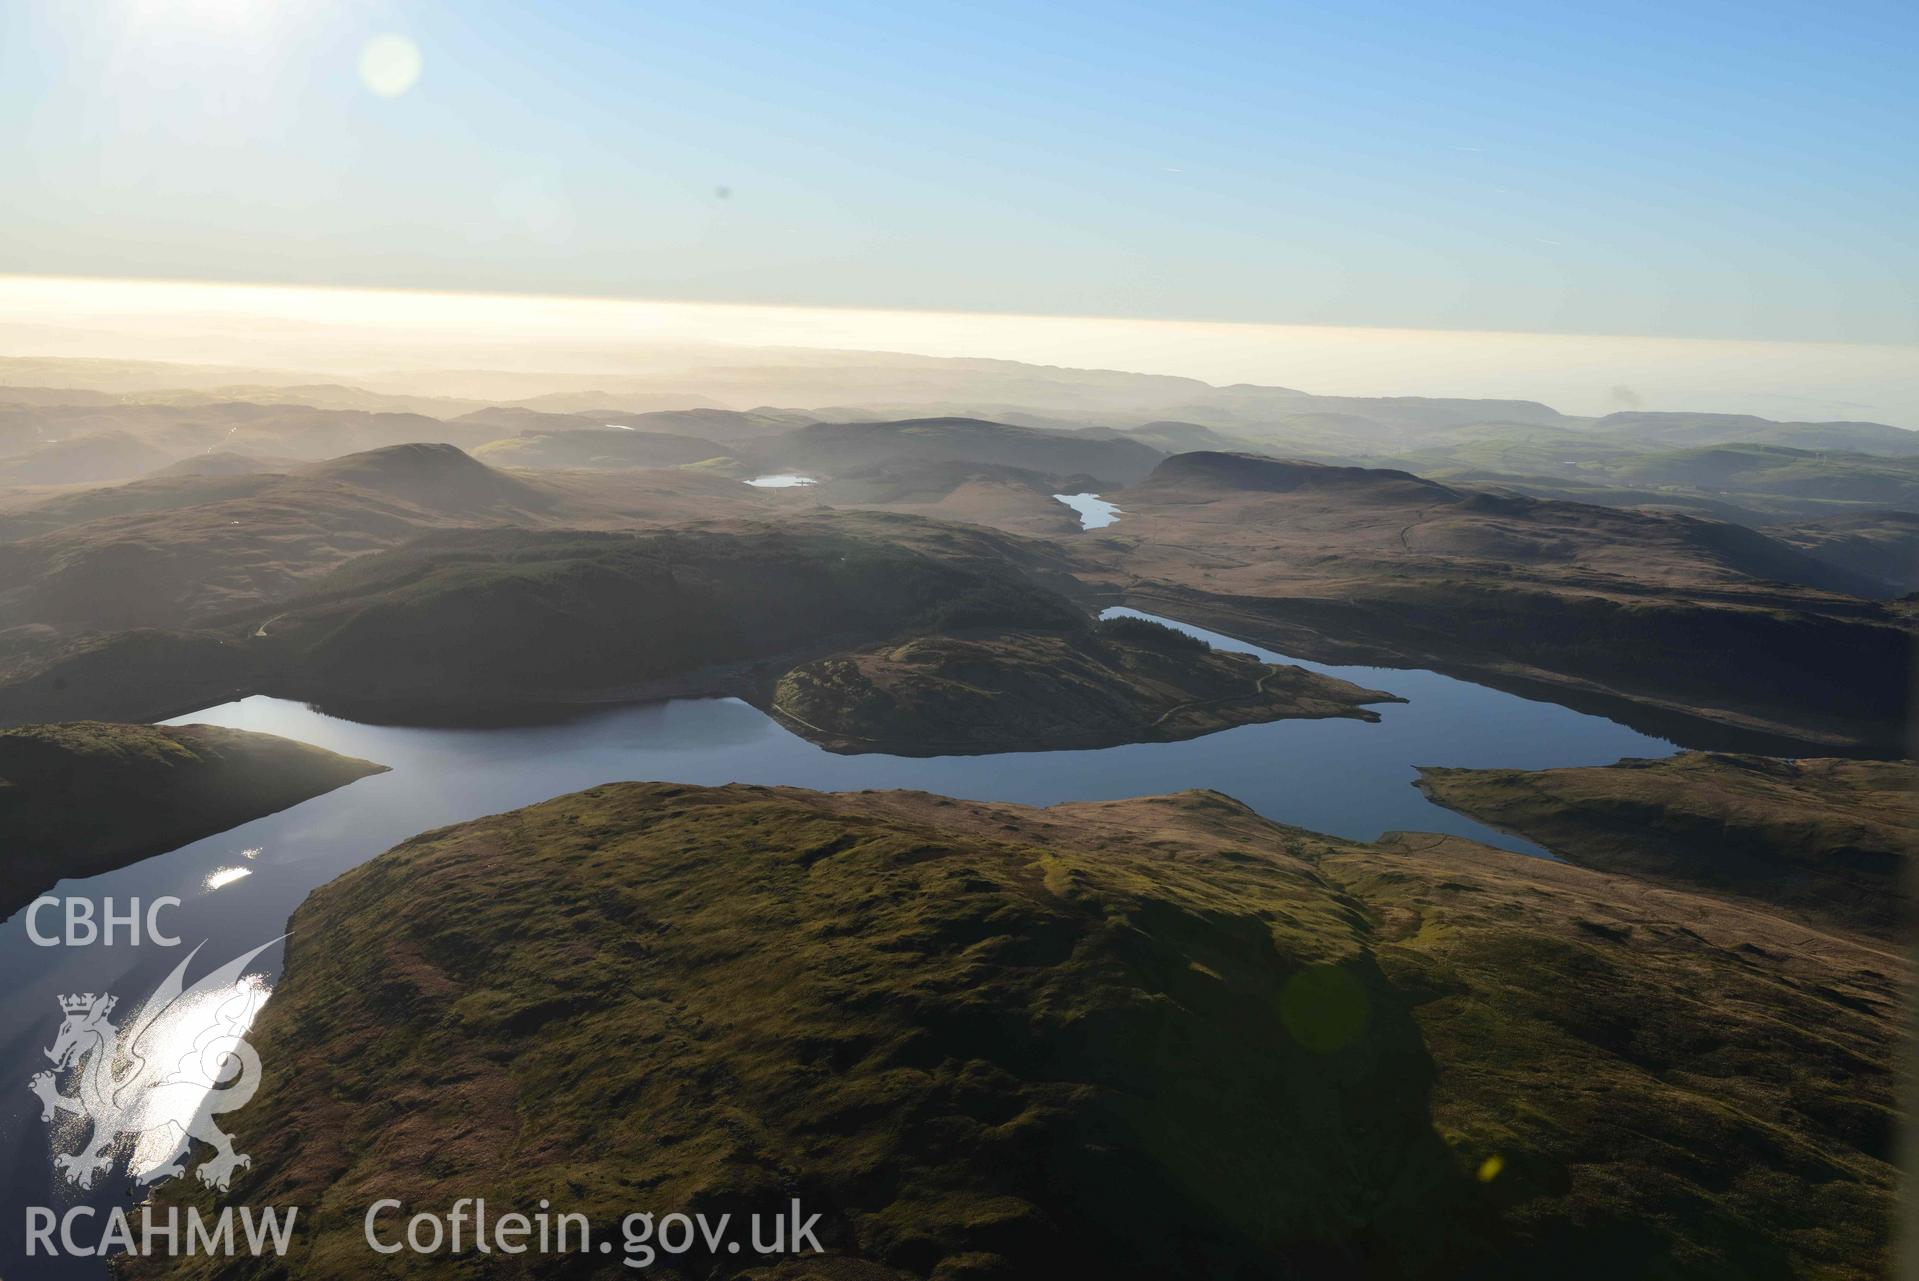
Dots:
(370, 334)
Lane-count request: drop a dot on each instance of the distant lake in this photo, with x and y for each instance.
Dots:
(784, 480)
(1345, 777)
(1094, 512)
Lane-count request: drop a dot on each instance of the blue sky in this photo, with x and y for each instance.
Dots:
(1699, 169)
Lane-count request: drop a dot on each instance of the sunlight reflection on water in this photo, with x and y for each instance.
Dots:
(189, 1038)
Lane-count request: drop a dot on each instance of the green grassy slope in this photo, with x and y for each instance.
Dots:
(1146, 1038)
(1670, 1085)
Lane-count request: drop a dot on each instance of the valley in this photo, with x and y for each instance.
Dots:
(1433, 851)
(876, 642)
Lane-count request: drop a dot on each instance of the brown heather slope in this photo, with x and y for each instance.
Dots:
(1146, 1038)
(1672, 623)
(1833, 841)
(86, 797)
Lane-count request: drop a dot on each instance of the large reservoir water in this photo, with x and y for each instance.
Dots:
(238, 888)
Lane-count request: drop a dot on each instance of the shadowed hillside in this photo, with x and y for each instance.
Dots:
(476, 621)
(1882, 545)
(511, 615)
(86, 797)
(1836, 841)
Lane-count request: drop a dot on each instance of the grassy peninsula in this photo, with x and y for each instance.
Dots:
(1123, 680)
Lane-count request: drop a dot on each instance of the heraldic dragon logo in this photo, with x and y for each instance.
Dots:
(181, 1062)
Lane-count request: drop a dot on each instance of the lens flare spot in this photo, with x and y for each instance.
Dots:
(390, 65)
(1489, 1168)
(1324, 1007)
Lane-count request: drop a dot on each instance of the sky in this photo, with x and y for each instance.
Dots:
(1697, 170)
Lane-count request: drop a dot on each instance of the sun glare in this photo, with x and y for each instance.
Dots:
(201, 14)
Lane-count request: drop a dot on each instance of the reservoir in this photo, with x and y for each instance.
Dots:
(1345, 777)
(1094, 512)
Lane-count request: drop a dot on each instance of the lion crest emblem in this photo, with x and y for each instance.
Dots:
(162, 1080)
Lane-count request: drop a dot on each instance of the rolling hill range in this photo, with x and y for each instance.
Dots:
(66, 444)
(725, 426)
(1696, 623)
(597, 448)
(474, 618)
(866, 631)
(1354, 510)
(180, 550)
(1715, 623)
(1740, 480)
(865, 449)
(505, 615)
(1135, 1038)
(1691, 431)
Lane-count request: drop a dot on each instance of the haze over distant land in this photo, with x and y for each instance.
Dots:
(389, 338)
